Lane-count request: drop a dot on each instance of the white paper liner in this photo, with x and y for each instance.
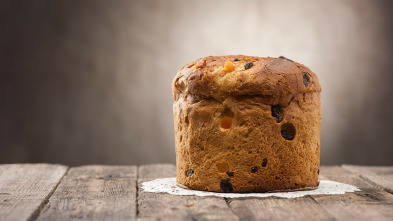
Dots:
(168, 185)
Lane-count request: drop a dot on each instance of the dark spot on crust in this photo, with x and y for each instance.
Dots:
(288, 131)
(287, 135)
(277, 113)
(190, 172)
(248, 65)
(226, 186)
(237, 59)
(282, 57)
(264, 162)
(254, 169)
(230, 174)
(306, 79)
(318, 171)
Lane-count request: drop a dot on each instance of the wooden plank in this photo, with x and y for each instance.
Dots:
(273, 208)
(154, 171)
(371, 203)
(162, 206)
(368, 189)
(382, 176)
(24, 189)
(94, 193)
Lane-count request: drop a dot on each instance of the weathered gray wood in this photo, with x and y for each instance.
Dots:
(154, 171)
(274, 208)
(369, 204)
(94, 193)
(339, 174)
(279, 209)
(161, 206)
(382, 176)
(24, 188)
(109, 192)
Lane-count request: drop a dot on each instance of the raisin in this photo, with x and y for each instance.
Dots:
(248, 65)
(306, 79)
(226, 186)
(282, 57)
(288, 131)
(254, 169)
(277, 113)
(318, 171)
(264, 162)
(287, 135)
(230, 173)
(237, 59)
(190, 172)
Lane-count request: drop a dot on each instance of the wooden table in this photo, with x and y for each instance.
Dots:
(57, 192)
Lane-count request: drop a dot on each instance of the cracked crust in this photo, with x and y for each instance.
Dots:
(268, 77)
(228, 136)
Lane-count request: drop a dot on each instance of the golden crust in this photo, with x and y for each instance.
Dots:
(214, 154)
(267, 76)
(254, 130)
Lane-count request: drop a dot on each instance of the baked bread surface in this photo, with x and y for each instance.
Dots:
(266, 76)
(247, 128)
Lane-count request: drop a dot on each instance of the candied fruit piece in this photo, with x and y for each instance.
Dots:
(222, 167)
(226, 122)
(229, 66)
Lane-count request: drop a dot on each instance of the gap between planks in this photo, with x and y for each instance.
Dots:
(137, 192)
(377, 175)
(37, 213)
(371, 203)
(26, 188)
(95, 192)
(161, 206)
(372, 192)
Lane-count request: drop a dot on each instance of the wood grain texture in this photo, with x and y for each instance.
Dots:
(24, 189)
(372, 203)
(49, 192)
(94, 193)
(154, 171)
(162, 206)
(279, 209)
(382, 176)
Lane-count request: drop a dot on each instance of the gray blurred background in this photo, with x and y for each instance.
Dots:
(89, 82)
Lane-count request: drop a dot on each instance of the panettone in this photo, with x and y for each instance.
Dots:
(247, 124)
